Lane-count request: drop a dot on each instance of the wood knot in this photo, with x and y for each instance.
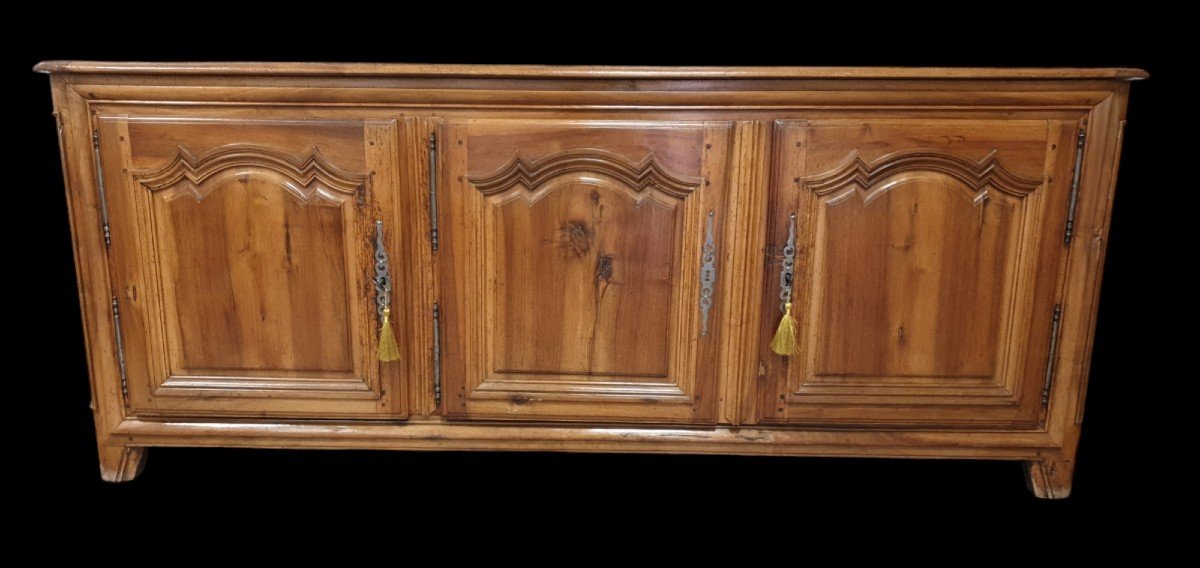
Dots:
(604, 268)
(519, 399)
(576, 238)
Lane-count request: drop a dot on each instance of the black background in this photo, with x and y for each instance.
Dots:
(485, 489)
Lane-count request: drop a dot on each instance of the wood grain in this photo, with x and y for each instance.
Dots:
(108, 403)
(572, 203)
(1049, 477)
(743, 255)
(244, 262)
(567, 71)
(121, 463)
(244, 259)
(577, 248)
(919, 248)
(516, 436)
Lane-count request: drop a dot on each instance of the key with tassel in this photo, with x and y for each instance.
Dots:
(784, 342)
(388, 349)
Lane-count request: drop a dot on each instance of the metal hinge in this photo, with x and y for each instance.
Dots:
(1074, 199)
(433, 208)
(437, 355)
(1052, 355)
(100, 188)
(116, 311)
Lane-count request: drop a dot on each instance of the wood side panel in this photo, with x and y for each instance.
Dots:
(92, 277)
(1049, 474)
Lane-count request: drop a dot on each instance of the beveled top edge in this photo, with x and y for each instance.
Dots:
(576, 72)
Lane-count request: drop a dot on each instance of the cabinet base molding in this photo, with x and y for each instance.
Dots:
(589, 438)
(1047, 479)
(590, 259)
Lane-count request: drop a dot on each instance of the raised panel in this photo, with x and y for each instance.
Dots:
(249, 237)
(244, 250)
(572, 275)
(926, 270)
(914, 266)
(611, 261)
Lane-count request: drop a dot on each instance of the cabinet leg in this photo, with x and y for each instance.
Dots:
(121, 463)
(1049, 478)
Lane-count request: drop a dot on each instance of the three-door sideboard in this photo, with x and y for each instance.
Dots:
(800, 261)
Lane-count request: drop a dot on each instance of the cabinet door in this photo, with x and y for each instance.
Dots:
(243, 261)
(927, 262)
(578, 269)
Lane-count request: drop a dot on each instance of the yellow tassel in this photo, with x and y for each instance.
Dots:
(784, 342)
(388, 350)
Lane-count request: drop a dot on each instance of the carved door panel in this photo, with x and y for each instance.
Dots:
(927, 262)
(243, 261)
(577, 267)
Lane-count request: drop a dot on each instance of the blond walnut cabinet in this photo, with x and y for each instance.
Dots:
(590, 258)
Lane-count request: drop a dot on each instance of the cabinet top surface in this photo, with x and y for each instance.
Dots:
(578, 72)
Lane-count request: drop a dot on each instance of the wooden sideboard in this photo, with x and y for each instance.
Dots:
(802, 261)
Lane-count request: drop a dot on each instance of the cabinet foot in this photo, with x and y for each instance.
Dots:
(121, 463)
(1049, 478)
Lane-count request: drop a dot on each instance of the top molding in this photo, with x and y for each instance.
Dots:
(579, 72)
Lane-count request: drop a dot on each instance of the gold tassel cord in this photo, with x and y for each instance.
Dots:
(784, 342)
(388, 350)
